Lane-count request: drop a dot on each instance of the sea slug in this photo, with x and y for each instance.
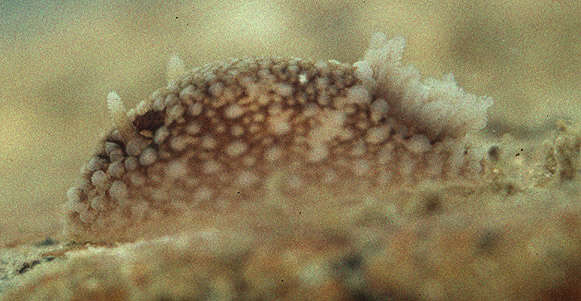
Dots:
(233, 135)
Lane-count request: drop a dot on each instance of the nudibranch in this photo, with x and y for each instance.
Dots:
(227, 134)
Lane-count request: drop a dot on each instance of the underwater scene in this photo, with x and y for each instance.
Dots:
(290, 150)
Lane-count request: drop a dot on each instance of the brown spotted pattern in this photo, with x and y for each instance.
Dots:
(226, 134)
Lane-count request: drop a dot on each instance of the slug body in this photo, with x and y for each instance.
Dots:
(243, 133)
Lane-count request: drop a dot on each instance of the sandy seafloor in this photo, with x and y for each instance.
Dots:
(59, 61)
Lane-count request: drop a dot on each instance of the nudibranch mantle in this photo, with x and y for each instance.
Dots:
(229, 134)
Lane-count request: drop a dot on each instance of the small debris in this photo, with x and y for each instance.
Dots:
(47, 242)
(27, 266)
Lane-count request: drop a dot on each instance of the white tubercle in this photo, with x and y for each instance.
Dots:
(119, 116)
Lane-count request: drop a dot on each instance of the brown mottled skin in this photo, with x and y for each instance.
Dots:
(224, 135)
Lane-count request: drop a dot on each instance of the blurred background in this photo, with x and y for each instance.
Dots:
(59, 59)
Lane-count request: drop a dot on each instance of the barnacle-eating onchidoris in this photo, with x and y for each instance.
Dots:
(227, 134)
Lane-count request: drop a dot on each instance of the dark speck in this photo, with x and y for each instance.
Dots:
(509, 188)
(432, 204)
(487, 241)
(350, 263)
(494, 153)
(27, 266)
(47, 242)
(353, 262)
